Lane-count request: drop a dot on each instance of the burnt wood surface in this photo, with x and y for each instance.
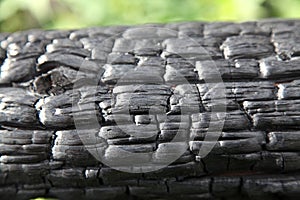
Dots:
(257, 155)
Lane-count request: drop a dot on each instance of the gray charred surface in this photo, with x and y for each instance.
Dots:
(257, 155)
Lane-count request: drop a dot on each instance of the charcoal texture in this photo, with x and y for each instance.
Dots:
(142, 105)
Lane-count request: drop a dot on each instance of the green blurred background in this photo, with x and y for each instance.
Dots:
(65, 14)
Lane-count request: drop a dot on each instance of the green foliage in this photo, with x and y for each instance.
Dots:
(24, 14)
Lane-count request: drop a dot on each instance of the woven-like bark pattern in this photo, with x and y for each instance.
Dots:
(257, 155)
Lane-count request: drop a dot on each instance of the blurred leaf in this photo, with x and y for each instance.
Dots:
(23, 14)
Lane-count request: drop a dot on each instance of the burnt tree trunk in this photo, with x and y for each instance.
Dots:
(256, 156)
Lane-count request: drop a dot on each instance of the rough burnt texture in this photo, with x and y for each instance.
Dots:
(256, 157)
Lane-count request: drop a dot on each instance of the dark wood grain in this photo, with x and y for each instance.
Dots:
(139, 104)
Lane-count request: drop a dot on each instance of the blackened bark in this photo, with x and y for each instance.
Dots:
(256, 156)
